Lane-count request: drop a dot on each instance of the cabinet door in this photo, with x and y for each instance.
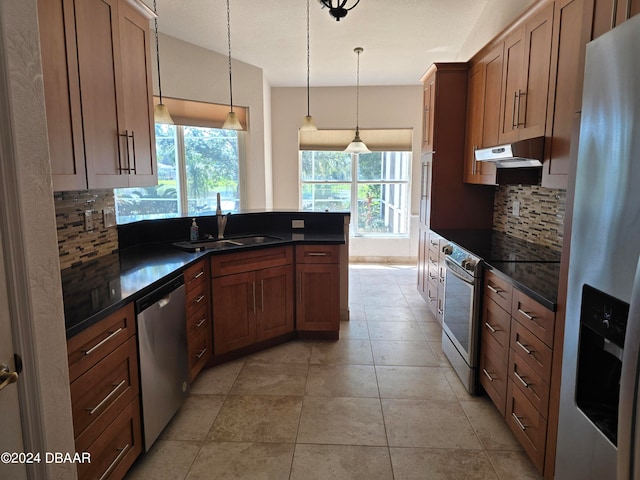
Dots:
(62, 94)
(626, 9)
(571, 31)
(493, 62)
(512, 86)
(318, 303)
(137, 95)
(97, 30)
(475, 112)
(428, 113)
(274, 292)
(531, 112)
(604, 17)
(234, 312)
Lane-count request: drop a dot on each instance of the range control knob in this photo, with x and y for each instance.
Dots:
(447, 249)
(469, 263)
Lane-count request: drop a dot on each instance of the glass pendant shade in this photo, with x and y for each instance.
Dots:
(161, 114)
(308, 125)
(232, 122)
(357, 145)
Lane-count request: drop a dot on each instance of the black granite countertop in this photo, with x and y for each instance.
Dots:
(95, 289)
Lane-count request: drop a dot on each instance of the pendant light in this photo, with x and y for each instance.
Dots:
(231, 122)
(357, 145)
(339, 11)
(160, 111)
(307, 124)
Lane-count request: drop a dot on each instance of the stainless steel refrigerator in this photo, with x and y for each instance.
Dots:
(597, 417)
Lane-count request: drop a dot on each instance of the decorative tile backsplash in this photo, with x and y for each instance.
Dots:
(541, 216)
(75, 245)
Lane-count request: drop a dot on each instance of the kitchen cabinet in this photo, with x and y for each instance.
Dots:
(198, 315)
(527, 54)
(428, 113)
(98, 93)
(318, 289)
(252, 294)
(103, 371)
(483, 115)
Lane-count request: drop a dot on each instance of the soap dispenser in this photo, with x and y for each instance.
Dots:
(193, 236)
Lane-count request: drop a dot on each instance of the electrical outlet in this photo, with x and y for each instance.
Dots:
(297, 223)
(516, 208)
(109, 217)
(88, 220)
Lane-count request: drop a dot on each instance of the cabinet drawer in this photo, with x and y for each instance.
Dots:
(527, 425)
(197, 297)
(113, 453)
(198, 321)
(434, 243)
(532, 350)
(529, 383)
(247, 261)
(498, 289)
(496, 326)
(96, 342)
(493, 376)
(101, 393)
(432, 296)
(533, 316)
(434, 264)
(195, 275)
(199, 351)
(317, 253)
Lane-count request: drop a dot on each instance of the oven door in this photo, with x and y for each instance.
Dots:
(461, 311)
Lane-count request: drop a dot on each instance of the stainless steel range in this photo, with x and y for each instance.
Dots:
(460, 327)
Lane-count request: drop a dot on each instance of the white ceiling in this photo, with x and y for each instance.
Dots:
(401, 38)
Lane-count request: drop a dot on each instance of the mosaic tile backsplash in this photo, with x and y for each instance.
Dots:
(75, 245)
(541, 218)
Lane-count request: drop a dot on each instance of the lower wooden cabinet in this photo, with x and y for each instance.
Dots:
(255, 303)
(318, 288)
(105, 401)
(199, 328)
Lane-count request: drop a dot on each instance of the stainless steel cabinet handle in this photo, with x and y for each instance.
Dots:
(254, 297)
(199, 299)
(113, 464)
(262, 295)
(520, 95)
(99, 344)
(520, 424)
(106, 399)
(431, 299)
(300, 287)
(493, 330)
(133, 147)
(528, 317)
(201, 353)
(529, 352)
(432, 277)
(122, 169)
(198, 275)
(521, 379)
(513, 113)
(484, 370)
(316, 254)
(201, 322)
(493, 289)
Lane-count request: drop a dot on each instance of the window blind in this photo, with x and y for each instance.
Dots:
(377, 140)
(201, 114)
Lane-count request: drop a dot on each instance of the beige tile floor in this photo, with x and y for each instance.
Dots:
(380, 403)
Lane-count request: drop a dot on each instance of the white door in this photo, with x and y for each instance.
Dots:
(10, 429)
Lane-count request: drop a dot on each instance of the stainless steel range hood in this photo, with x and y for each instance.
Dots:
(524, 153)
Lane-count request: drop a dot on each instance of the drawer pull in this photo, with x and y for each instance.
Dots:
(198, 275)
(526, 385)
(106, 399)
(527, 316)
(199, 299)
(201, 353)
(99, 344)
(316, 254)
(201, 322)
(523, 347)
(493, 289)
(493, 330)
(122, 453)
(432, 277)
(440, 311)
(432, 299)
(484, 370)
(520, 424)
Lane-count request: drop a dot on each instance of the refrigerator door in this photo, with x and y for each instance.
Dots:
(629, 406)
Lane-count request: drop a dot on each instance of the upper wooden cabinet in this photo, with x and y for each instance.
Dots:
(428, 113)
(527, 55)
(608, 14)
(97, 78)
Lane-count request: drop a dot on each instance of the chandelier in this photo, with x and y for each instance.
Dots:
(339, 10)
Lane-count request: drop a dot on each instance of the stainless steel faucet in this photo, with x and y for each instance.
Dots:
(222, 219)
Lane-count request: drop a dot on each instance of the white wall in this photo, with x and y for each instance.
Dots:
(195, 73)
(335, 108)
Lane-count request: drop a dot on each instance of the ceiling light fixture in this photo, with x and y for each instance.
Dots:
(231, 122)
(339, 11)
(357, 145)
(307, 124)
(160, 111)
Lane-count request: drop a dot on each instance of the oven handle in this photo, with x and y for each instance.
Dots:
(451, 268)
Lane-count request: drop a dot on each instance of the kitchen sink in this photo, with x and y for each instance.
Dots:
(218, 244)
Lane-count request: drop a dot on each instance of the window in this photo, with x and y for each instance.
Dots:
(373, 186)
(194, 164)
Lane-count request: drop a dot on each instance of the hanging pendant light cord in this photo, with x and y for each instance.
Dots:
(157, 51)
(229, 43)
(358, 51)
(308, 63)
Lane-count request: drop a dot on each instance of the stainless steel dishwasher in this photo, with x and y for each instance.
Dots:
(162, 346)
